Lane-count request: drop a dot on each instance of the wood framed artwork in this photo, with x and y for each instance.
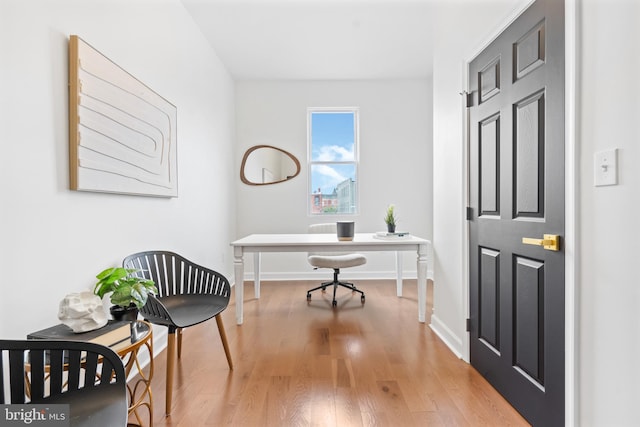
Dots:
(122, 135)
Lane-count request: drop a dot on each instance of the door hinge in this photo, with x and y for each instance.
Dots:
(469, 213)
(468, 325)
(469, 100)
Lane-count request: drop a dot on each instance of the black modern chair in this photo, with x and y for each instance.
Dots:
(188, 294)
(89, 377)
(334, 260)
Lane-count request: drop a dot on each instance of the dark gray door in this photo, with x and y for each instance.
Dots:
(516, 172)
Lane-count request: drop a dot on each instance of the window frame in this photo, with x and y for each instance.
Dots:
(355, 162)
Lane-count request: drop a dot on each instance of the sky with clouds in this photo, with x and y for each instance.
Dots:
(333, 136)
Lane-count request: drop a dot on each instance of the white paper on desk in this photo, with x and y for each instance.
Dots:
(391, 236)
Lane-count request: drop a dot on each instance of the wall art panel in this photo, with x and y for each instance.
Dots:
(122, 135)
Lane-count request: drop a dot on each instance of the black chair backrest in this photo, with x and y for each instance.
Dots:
(176, 275)
(54, 368)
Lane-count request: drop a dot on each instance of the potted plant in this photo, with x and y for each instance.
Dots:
(129, 292)
(390, 219)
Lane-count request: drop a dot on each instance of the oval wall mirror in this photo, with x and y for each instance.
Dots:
(265, 164)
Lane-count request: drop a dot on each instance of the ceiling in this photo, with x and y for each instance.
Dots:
(319, 39)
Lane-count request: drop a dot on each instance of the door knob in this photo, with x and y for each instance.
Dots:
(550, 242)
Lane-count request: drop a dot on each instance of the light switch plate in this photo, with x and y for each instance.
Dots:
(605, 167)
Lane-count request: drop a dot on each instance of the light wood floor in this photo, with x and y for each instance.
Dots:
(306, 364)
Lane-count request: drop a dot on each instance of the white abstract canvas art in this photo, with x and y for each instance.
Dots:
(122, 134)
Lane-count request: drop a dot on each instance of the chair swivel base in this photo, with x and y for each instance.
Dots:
(335, 283)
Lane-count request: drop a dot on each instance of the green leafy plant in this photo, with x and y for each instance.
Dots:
(390, 217)
(126, 288)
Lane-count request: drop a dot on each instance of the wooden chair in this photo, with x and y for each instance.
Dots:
(188, 294)
(89, 377)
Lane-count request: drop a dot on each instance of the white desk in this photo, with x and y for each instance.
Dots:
(362, 242)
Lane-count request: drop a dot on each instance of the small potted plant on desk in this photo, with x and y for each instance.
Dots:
(390, 219)
(129, 293)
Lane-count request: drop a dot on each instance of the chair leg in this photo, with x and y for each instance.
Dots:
(350, 286)
(223, 337)
(179, 331)
(322, 286)
(335, 283)
(171, 360)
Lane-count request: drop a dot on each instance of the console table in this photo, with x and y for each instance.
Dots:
(362, 242)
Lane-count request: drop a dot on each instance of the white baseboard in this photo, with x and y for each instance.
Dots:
(451, 340)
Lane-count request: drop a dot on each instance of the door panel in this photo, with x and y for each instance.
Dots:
(489, 302)
(489, 162)
(516, 170)
(529, 51)
(529, 317)
(529, 157)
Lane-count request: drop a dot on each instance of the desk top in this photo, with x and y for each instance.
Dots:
(316, 242)
(363, 240)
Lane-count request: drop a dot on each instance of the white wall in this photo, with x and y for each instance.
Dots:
(609, 288)
(395, 155)
(54, 241)
(608, 109)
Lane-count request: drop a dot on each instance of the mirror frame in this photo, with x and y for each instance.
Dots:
(244, 179)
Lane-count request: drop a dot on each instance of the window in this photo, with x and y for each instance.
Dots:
(333, 160)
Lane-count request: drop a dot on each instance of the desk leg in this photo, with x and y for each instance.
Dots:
(256, 274)
(399, 273)
(238, 264)
(422, 283)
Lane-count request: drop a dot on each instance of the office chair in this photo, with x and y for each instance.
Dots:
(188, 294)
(89, 377)
(334, 260)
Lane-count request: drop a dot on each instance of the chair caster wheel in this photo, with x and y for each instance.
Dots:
(335, 303)
(324, 288)
(362, 299)
(308, 296)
